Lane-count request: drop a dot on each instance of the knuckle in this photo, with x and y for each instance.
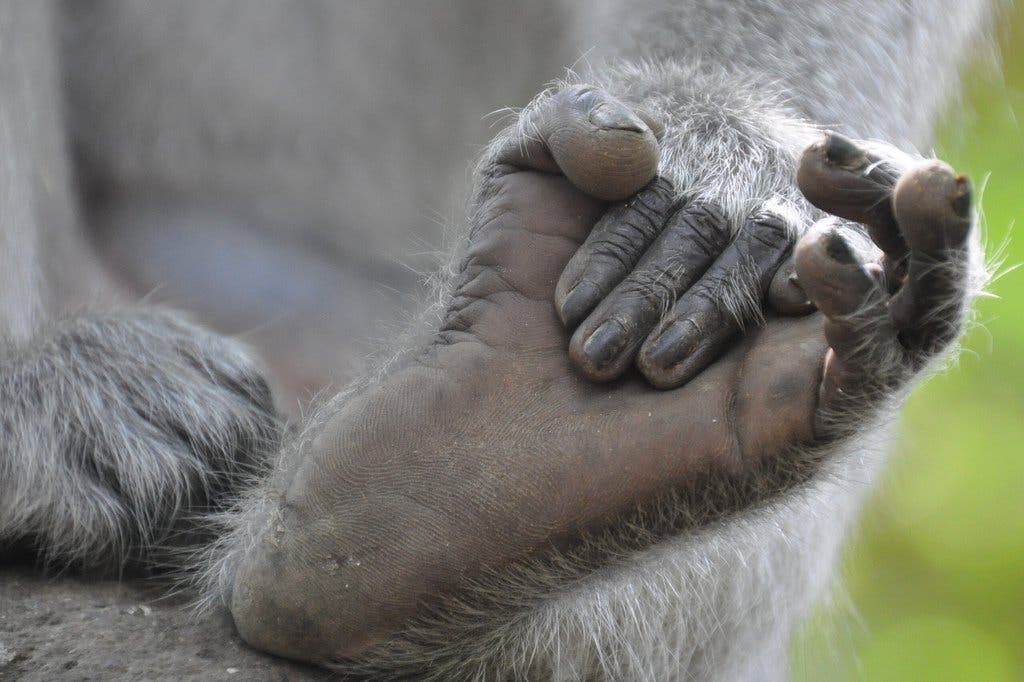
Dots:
(660, 190)
(652, 204)
(637, 234)
(712, 292)
(617, 252)
(767, 224)
(656, 285)
(631, 232)
(708, 213)
(707, 223)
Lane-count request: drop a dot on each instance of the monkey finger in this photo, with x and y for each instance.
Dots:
(785, 294)
(843, 178)
(606, 342)
(597, 141)
(728, 296)
(933, 208)
(858, 329)
(612, 250)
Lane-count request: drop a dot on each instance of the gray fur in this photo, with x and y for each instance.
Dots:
(871, 69)
(118, 425)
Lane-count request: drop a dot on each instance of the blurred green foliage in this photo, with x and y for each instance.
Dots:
(934, 577)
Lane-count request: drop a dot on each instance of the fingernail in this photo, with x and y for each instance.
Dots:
(841, 150)
(676, 343)
(962, 202)
(794, 281)
(787, 296)
(605, 344)
(838, 250)
(578, 302)
(616, 117)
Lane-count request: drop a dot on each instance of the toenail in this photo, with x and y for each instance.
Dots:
(605, 344)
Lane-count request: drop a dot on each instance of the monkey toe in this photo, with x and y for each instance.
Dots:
(847, 179)
(580, 138)
(612, 250)
(786, 296)
(858, 328)
(662, 285)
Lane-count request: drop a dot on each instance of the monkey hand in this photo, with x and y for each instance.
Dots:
(670, 278)
(663, 284)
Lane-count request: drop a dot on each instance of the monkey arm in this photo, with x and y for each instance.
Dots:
(873, 69)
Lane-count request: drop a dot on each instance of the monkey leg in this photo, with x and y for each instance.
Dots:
(485, 447)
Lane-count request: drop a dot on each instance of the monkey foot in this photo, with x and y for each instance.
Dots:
(490, 445)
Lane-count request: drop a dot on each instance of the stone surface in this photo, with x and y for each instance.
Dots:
(71, 628)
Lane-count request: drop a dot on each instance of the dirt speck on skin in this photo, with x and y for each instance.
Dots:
(72, 628)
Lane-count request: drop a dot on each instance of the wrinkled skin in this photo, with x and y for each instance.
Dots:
(493, 444)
